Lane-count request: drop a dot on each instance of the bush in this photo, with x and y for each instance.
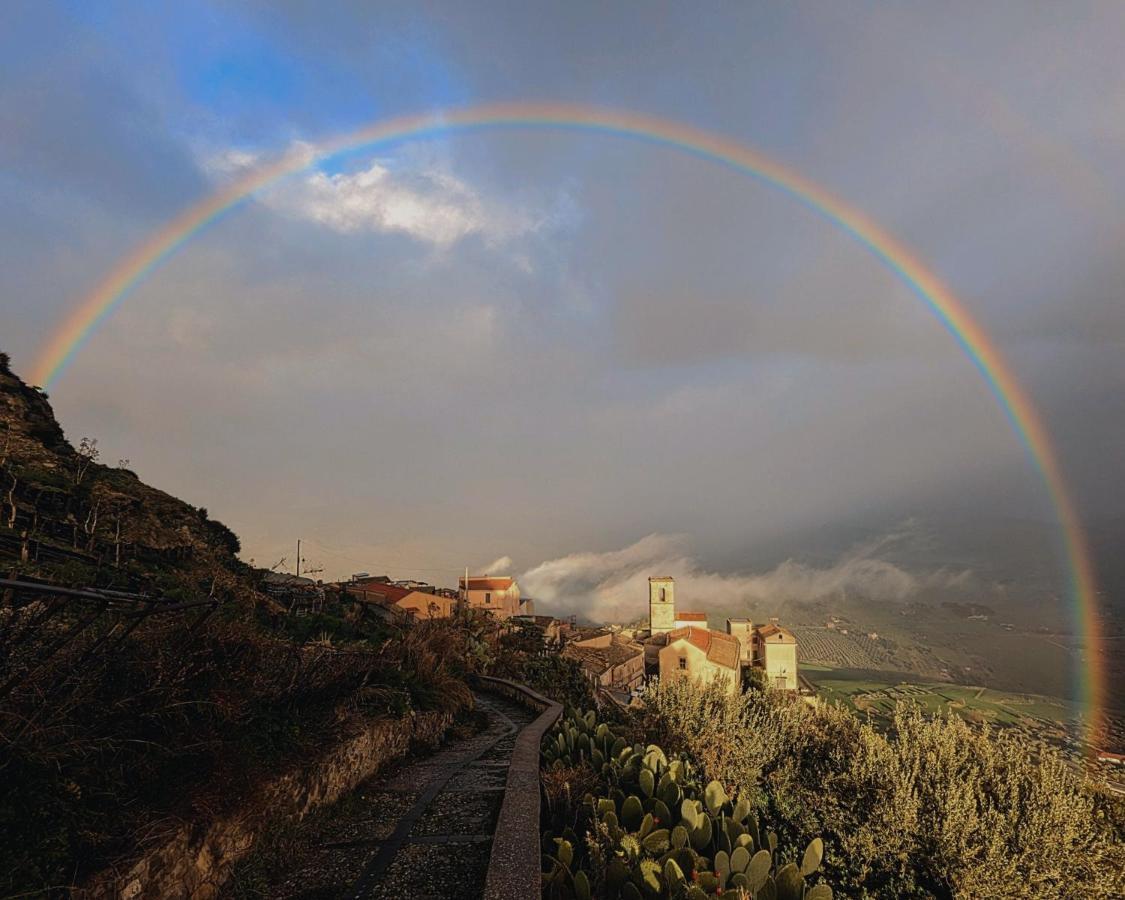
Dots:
(97, 751)
(938, 808)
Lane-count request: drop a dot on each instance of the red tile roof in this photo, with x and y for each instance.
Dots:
(374, 592)
(487, 583)
(722, 649)
(767, 631)
(691, 617)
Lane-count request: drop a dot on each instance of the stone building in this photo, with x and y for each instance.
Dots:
(702, 655)
(500, 596)
(743, 629)
(777, 653)
(609, 661)
(661, 605)
(770, 648)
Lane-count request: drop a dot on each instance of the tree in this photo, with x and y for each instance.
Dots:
(86, 455)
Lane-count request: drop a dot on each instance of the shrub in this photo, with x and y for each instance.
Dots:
(937, 808)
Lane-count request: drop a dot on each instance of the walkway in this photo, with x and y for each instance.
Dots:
(423, 830)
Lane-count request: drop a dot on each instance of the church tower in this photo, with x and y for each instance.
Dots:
(661, 604)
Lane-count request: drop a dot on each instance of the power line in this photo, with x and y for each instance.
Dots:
(388, 566)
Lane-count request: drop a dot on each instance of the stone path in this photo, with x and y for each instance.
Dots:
(423, 830)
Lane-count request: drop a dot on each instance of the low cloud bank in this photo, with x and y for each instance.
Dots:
(613, 586)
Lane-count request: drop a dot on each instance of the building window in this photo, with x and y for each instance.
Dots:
(683, 662)
(488, 598)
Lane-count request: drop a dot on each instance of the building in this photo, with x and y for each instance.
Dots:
(743, 629)
(702, 655)
(500, 596)
(661, 605)
(769, 647)
(609, 661)
(555, 631)
(691, 620)
(418, 604)
(776, 652)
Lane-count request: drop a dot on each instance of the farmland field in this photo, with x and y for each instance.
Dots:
(1043, 721)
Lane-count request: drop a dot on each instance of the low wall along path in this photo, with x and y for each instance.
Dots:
(460, 823)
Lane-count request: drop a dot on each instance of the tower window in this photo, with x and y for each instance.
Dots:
(662, 597)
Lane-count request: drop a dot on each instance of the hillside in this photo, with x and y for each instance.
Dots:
(67, 517)
(170, 687)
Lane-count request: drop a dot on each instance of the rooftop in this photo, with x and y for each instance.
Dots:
(599, 659)
(376, 592)
(784, 635)
(487, 583)
(721, 649)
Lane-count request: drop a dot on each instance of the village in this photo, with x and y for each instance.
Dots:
(617, 659)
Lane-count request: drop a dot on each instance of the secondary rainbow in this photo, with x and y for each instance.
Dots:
(1017, 407)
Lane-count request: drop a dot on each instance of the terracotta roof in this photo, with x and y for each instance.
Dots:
(770, 630)
(385, 594)
(691, 617)
(722, 649)
(487, 583)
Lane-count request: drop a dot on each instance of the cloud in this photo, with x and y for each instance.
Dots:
(424, 201)
(613, 586)
(501, 566)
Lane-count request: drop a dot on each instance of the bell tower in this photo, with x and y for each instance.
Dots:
(661, 604)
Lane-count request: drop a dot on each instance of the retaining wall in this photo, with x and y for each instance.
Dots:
(514, 867)
(198, 858)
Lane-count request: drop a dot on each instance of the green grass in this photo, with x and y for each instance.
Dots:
(877, 693)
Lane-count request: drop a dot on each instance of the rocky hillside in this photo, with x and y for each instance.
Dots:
(66, 516)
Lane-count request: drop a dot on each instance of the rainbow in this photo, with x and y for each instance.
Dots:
(1021, 414)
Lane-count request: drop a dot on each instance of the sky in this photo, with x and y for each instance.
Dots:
(569, 355)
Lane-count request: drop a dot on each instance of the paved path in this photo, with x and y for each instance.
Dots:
(424, 830)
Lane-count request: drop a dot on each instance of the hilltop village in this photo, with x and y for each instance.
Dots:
(616, 659)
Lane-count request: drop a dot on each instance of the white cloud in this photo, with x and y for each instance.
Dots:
(613, 586)
(501, 566)
(423, 200)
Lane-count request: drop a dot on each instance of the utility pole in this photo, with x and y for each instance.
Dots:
(298, 557)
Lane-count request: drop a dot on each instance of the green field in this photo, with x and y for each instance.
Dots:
(876, 693)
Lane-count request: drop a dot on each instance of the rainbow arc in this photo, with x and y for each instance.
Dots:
(95, 308)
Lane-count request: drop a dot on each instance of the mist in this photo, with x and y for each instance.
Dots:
(612, 586)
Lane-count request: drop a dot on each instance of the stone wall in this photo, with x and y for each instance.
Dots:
(514, 867)
(198, 858)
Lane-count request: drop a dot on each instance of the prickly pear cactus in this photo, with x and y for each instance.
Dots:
(661, 833)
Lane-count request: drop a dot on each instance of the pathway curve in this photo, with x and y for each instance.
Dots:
(423, 830)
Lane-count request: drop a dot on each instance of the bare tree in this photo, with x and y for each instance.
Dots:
(87, 455)
(13, 510)
(90, 526)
